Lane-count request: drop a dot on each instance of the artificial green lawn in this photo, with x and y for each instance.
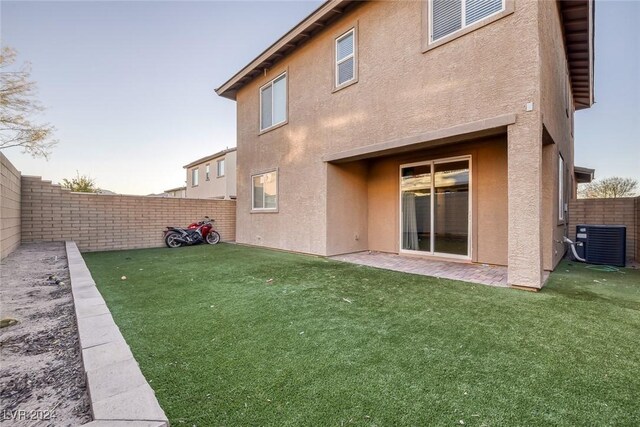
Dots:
(230, 335)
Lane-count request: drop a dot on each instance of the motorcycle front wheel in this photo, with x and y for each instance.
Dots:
(171, 240)
(213, 237)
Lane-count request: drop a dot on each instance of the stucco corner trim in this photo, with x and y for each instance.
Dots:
(451, 134)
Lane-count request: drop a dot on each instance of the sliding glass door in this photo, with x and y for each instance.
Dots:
(435, 206)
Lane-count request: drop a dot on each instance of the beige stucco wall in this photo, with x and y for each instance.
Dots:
(10, 227)
(230, 177)
(557, 115)
(348, 209)
(217, 187)
(401, 92)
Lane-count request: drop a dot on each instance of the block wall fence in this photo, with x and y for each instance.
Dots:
(100, 222)
(9, 207)
(622, 211)
(35, 210)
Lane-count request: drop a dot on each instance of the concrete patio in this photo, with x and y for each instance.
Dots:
(492, 275)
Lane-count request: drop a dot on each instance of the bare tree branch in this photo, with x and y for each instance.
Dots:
(17, 103)
(608, 188)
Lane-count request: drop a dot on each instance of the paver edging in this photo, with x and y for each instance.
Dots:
(105, 351)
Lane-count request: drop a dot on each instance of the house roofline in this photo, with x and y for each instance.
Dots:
(578, 24)
(307, 28)
(583, 175)
(175, 189)
(211, 157)
(578, 21)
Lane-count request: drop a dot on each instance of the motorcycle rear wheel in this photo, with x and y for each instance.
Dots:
(213, 237)
(171, 240)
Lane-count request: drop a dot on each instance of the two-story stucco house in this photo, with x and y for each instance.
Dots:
(212, 177)
(436, 128)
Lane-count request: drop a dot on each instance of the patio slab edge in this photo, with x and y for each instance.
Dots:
(105, 353)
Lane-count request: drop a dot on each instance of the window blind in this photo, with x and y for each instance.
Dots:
(345, 47)
(449, 16)
(345, 58)
(446, 17)
(345, 71)
(475, 10)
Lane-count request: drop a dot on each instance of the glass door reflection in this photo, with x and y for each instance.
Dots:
(451, 209)
(434, 207)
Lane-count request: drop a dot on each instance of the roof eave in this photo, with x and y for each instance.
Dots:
(578, 20)
(288, 42)
(209, 158)
(583, 175)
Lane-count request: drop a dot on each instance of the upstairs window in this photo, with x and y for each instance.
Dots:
(449, 16)
(194, 177)
(273, 102)
(345, 58)
(207, 172)
(220, 168)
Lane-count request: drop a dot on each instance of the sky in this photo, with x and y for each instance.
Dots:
(130, 85)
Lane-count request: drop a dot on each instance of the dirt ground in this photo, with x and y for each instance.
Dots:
(41, 377)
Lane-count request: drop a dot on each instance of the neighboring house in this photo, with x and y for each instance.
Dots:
(583, 176)
(213, 177)
(439, 128)
(179, 192)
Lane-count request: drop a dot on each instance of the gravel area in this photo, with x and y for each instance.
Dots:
(41, 376)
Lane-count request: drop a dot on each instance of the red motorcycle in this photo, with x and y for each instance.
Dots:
(197, 232)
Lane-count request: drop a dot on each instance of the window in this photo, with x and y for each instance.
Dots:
(273, 102)
(220, 168)
(561, 197)
(194, 177)
(345, 58)
(449, 16)
(265, 191)
(207, 173)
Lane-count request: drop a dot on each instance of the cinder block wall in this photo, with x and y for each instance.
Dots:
(621, 211)
(9, 207)
(110, 222)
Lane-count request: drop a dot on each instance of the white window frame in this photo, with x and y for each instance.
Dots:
(220, 162)
(353, 55)
(286, 101)
(207, 172)
(433, 253)
(463, 18)
(561, 189)
(195, 177)
(263, 209)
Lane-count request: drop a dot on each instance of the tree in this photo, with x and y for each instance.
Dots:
(17, 105)
(80, 184)
(608, 188)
